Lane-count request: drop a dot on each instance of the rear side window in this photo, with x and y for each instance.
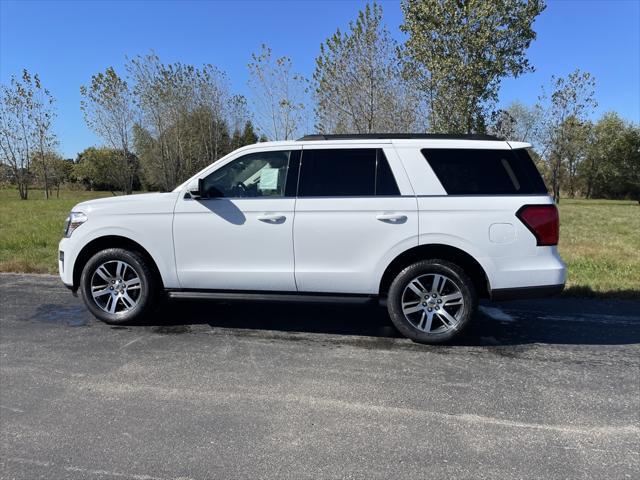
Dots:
(353, 172)
(485, 172)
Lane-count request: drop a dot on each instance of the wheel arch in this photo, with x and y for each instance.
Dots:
(110, 241)
(444, 252)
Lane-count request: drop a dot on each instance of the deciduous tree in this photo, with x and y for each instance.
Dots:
(108, 110)
(278, 95)
(95, 169)
(612, 165)
(564, 110)
(358, 85)
(517, 122)
(26, 134)
(184, 118)
(459, 51)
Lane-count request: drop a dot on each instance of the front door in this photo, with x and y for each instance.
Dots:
(239, 235)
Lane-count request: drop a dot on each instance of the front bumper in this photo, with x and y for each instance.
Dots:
(65, 262)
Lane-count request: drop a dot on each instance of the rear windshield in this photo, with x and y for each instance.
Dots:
(485, 172)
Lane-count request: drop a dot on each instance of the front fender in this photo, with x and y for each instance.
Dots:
(156, 239)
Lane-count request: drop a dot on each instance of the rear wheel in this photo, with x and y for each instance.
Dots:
(431, 301)
(118, 286)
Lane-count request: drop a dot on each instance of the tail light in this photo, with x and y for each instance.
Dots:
(543, 221)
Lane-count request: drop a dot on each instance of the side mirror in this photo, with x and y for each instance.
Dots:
(195, 189)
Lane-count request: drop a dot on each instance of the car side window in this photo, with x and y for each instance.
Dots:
(485, 172)
(262, 174)
(352, 172)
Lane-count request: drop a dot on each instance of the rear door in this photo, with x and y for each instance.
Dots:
(355, 211)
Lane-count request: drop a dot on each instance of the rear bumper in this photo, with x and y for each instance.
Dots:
(526, 292)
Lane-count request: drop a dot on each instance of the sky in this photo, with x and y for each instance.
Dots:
(68, 41)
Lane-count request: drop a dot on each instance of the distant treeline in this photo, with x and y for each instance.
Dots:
(160, 123)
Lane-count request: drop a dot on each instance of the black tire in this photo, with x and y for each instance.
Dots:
(457, 278)
(144, 299)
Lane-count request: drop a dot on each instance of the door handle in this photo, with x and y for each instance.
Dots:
(272, 218)
(391, 218)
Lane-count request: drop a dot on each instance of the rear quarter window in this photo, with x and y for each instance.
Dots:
(485, 172)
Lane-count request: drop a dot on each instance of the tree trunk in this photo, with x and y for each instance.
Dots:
(23, 190)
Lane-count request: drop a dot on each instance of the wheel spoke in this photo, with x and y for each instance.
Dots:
(103, 273)
(447, 318)
(416, 287)
(112, 303)
(100, 293)
(427, 327)
(133, 283)
(452, 299)
(438, 283)
(425, 321)
(411, 307)
(422, 319)
(121, 267)
(127, 301)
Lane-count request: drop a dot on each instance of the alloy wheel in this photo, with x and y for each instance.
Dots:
(433, 303)
(116, 287)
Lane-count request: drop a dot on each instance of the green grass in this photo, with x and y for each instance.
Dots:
(31, 229)
(599, 239)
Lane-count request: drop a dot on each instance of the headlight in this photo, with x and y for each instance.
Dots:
(73, 221)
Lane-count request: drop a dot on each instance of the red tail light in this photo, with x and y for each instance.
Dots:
(543, 221)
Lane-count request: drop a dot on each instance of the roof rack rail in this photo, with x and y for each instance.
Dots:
(391, 136)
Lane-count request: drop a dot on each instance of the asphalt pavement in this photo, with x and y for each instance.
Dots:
(208, 390)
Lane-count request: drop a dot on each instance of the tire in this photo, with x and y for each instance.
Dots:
(118, 286)
(432, 313)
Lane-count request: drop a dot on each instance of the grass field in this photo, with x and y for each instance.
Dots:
(30, 230)
(599, 240)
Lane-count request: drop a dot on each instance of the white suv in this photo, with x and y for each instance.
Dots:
(427, 223)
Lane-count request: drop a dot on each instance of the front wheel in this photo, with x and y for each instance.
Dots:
(117, 285)
(431, 301)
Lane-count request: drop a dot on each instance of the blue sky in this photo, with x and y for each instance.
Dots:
(66, 42)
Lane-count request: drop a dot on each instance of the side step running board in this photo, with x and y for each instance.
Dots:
(269, 297)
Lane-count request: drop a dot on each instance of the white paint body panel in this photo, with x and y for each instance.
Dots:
(340, 242)
(464, 222)
(146, 219)
(222, 244)
(324, 244)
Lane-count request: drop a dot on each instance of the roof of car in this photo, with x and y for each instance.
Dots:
(397, 136)
(420, 140)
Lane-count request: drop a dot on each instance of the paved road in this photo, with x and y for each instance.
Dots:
(209, 390)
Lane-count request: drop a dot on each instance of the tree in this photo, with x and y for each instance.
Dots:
(278, 93)
(612, 165)
(575, 151)
(184, 118)
(518, 122)
(108, 110)
(238, 112)
(95, 169)
(247, 136)
(459, 51)
(26, 116)
(563, 112)
(42, 116)
(358, 86)
(58, 171)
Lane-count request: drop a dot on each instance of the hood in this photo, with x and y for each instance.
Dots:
(138, 203)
